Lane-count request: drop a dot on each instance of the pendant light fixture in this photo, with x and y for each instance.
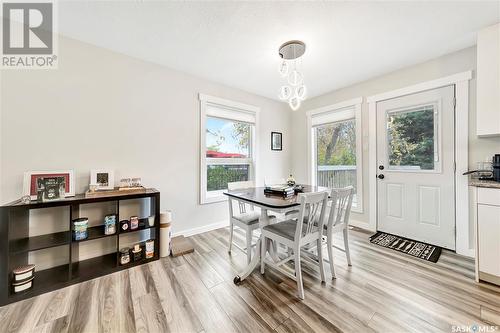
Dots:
(294, 91)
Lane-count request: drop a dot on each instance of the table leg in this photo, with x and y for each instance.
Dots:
(255, 262)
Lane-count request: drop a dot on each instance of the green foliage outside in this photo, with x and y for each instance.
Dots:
(241, 133)
(411, 139)
(336, 143)
(219, 175)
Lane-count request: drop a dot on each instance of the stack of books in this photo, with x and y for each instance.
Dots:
(281, 190)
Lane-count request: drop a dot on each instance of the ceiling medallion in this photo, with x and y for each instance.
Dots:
(294, 91)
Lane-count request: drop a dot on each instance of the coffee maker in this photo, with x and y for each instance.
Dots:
(496, 167)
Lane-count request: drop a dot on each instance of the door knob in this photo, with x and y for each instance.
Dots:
(381, 167)
(381, 176)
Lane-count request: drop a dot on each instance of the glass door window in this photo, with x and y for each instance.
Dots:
(412, 139)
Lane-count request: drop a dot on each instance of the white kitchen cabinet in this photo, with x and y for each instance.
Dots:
(488, 81)
(488, 234)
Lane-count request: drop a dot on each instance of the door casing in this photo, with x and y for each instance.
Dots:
(464, 242)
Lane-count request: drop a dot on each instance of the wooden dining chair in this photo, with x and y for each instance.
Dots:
(338, 222)
(296, 233)
(246, 219)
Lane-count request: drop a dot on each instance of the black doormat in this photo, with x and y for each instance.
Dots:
(413, 248)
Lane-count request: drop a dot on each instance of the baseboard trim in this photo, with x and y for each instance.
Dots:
(200, 230)
(225, 223)
(489, 278)
(469, 253)
(361, 225)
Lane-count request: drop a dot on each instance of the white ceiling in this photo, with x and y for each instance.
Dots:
(236, 43)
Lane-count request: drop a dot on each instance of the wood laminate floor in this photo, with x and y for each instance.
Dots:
(384, 291)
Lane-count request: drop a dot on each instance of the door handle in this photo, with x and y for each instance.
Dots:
(381, 167)
(381, 176)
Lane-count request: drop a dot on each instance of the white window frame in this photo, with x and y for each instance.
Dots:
(232, 111)
(337, 112)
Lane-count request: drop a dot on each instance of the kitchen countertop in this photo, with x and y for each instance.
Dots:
(484, 183)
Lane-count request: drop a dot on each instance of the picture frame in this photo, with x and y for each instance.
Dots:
(276, 141)
(31, 178)
(103, 178)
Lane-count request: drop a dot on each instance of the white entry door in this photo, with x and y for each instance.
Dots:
(415, 155)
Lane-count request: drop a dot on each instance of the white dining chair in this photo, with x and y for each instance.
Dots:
(248, 220)
(338, 222)
(296, 233)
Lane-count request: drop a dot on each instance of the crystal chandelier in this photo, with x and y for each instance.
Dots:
(294, 90)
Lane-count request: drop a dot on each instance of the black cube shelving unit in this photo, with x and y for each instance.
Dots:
(16, 244)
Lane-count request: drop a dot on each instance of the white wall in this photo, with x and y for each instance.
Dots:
(456, 62)
(102, 109)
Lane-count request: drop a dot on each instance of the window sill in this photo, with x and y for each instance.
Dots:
(213, 199)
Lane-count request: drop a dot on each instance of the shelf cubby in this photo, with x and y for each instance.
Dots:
(95, 232)
(44, 281)
(40, 242)
(89, 268)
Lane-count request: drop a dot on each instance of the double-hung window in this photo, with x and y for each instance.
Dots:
(335, 147)
(228, 144)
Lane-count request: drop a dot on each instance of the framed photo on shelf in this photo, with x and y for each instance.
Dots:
(103, 178)
(51, 188)
(276, 141)
(30, 183)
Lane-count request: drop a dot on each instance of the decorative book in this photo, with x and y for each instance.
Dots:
(282, 190)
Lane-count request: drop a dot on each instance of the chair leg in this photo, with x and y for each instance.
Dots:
(298, 273)
(231, 229)
(346, 246)
(320, 260)
(263, 254)
(249, 245)
(330, 253)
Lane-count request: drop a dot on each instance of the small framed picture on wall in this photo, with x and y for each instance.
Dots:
(276, 141)
(104, 179)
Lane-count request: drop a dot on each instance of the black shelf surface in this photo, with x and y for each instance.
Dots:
(44, 281)
(80, 199)
(143, 225)
(39, 242)
(93, 267)
(95, 233)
